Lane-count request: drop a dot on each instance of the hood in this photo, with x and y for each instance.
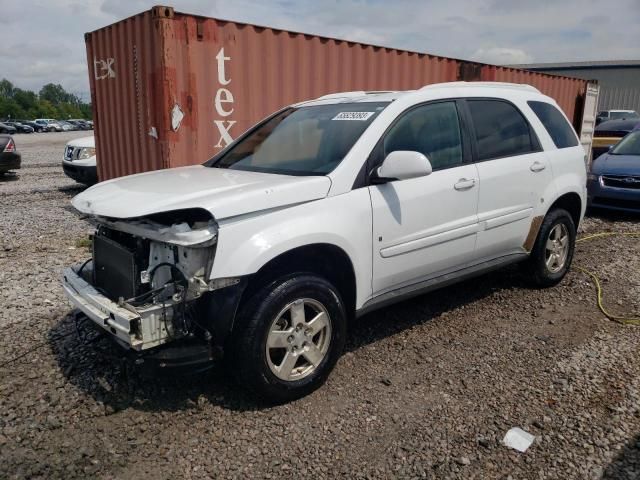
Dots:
(83, 142)
(622, 126)
(616, 165)
(224, 193)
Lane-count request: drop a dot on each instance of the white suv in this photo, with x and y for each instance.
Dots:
(325, 211)
(79, 160)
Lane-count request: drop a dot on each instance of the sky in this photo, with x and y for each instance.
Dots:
(42, 41)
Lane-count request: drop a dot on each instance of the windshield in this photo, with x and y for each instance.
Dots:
(619, 115)
(629, 145)
(309, 140)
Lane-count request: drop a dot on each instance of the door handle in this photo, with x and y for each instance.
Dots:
(537, 167)
(464, 184)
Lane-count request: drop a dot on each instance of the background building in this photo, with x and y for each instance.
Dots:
(619, 80)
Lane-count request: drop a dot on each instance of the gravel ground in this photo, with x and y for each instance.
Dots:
(428, 388)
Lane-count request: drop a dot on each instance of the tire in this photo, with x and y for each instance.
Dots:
(540, 270)
(271, 308)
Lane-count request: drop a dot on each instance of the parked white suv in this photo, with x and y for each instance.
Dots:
(322, 212)
(79, 160)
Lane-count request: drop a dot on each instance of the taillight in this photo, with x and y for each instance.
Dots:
(10, 147)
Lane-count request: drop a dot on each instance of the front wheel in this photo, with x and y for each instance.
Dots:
(553, 250)
(289, 337)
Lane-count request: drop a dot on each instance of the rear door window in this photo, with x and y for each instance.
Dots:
(556, 125)
(501, 130)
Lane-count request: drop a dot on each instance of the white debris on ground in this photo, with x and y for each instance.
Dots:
(518, 439)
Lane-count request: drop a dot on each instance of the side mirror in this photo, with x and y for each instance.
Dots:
(403, 165)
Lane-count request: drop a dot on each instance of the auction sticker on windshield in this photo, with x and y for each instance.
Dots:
(361, 116)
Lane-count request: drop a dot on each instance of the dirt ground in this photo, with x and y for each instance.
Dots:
(427, 388)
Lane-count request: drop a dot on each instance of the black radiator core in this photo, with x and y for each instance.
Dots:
(116, 268)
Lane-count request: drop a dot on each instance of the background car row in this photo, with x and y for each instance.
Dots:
(44, 125)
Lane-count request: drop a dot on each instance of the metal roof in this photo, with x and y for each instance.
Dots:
(579, 65)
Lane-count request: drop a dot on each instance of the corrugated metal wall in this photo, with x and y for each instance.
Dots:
(564, 90)
(124, 69)
(619, 86)
(220, 77)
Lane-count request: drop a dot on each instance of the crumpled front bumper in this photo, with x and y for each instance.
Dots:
(136, 328)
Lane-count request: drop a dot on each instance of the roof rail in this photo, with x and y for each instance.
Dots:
(342, 95)
(357, 93)
(515, 86)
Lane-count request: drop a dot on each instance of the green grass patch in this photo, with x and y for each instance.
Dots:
(84, 242)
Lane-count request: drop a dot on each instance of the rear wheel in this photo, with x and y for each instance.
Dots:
(553, 250)
(289, 337)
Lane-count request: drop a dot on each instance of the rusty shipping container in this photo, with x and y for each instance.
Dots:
(172, 89)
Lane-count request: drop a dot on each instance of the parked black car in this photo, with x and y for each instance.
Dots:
(20, 127)
(609, 133)
(48, 125)
(81, 124)
(36, 127)
(5, 128)
(9, 157)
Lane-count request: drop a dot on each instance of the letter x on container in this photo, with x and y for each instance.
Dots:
(171, 89)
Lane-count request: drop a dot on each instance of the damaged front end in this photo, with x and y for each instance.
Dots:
(147, 281)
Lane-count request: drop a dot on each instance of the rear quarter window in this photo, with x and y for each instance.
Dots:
(556, 125)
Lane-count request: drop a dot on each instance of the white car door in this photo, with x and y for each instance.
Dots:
(426, 226)
(514, 174)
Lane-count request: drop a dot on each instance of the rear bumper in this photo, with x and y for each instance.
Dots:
(623, 199)
(9, 161)
(87, 175)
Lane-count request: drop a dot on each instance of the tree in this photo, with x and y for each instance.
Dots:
(86, 110)
(53, 101)
(26, 99)
(54, 93)
(6, 88)
(9, 108)
(46, 110)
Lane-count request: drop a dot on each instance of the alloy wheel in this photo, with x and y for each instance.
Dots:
(557, 248)
(298, 339)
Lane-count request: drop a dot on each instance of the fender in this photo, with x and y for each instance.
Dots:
(550, 196)
(247, 244)
(567, 182)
